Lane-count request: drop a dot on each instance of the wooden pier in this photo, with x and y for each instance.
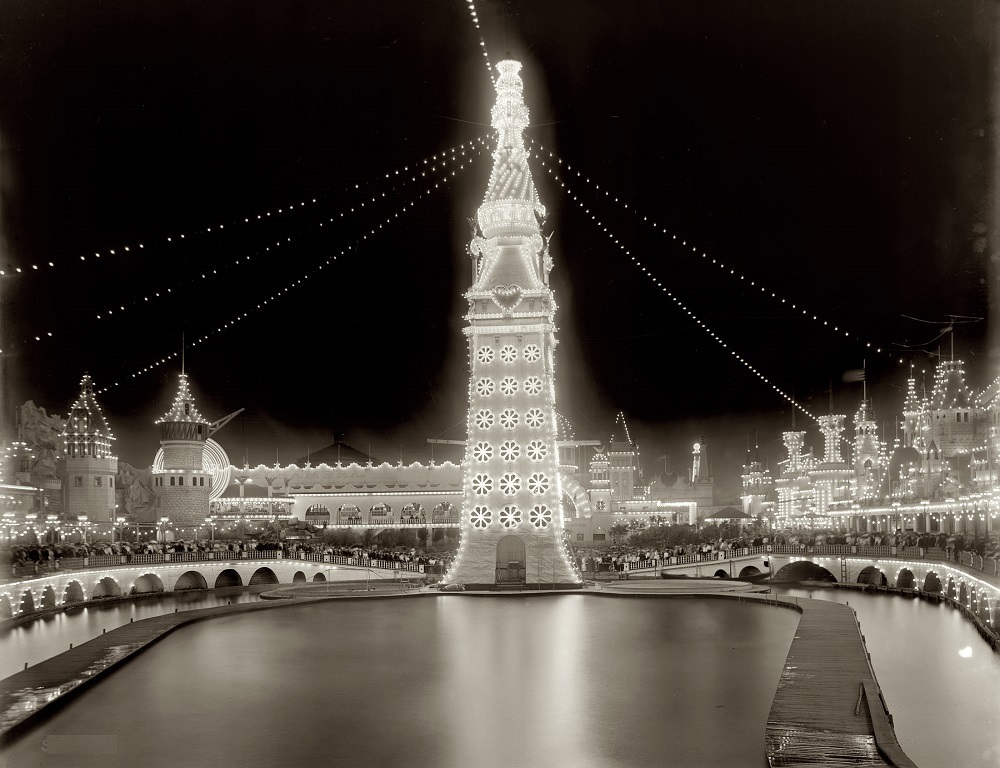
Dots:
(828, 709)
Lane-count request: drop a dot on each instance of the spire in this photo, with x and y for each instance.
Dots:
(183, 408)
(508, 243)
(86, 428)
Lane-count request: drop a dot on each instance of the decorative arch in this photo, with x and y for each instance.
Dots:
(577, 495)
(511, 560)
(318, 514)
(190, 580)
(228, 578)
(951, 591)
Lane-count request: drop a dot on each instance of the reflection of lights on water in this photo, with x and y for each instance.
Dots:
(966, 652)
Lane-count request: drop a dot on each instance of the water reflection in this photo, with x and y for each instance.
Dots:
(51, 633)
(446, 681)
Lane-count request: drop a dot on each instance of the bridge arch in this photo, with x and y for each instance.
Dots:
(6, 609)
(963, 594)
(262, 575)
(804, 570)
(106, 587)
(750, 571)
(722, 573)
(190, 580)
(298, 578)
(228, 578)
(73, 593)
(872, 575)
(48, 597)
(146, 584)
(319, 576)
(904, 579)
(932, 583)
(27, 602)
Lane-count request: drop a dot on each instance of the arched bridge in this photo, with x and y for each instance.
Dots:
(116, 576)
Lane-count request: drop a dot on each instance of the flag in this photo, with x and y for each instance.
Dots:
(854, 375)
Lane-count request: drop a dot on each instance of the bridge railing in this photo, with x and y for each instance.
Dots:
(987, 565)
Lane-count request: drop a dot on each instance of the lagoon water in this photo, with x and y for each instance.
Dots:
(560, 680)
(508, 681)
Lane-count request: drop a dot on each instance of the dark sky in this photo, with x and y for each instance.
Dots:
(840, 154)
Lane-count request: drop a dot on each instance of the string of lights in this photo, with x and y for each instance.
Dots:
(669, 294)
(317, 268)
(482, 42)
(409, 174)
(544, 155)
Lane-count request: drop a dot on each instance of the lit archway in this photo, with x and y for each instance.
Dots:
(48, 597)
(27, 602)
(6, 611)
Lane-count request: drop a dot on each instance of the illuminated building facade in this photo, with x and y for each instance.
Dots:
(512, 529)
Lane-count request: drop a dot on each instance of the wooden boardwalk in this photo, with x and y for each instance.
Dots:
(828, 709)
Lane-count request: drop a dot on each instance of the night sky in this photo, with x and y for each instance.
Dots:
(842, 155)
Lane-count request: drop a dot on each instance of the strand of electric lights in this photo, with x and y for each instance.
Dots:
(746, 363)
(281, 293)
(694, 249)
(482, 41)
(434, 163)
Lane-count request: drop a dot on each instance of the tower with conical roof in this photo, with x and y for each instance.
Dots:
(91, 467)
(512, 515)
(180, 480)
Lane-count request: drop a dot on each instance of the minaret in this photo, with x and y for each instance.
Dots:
(867, 454)
(91, 468)
(180, 480)
(512, 516)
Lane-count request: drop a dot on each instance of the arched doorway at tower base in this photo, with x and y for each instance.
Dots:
(511, 562)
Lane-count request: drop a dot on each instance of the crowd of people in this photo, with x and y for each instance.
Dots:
(21, 560)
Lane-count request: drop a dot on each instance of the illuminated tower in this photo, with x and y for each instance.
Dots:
(180, 480)
(867, 455)
(91, 468)
(512, 516)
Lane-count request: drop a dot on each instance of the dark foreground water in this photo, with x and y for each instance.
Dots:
(566, 680)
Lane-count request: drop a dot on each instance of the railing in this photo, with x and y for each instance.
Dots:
(988, 566)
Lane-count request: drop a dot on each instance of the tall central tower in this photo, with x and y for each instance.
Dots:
(512, 516)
